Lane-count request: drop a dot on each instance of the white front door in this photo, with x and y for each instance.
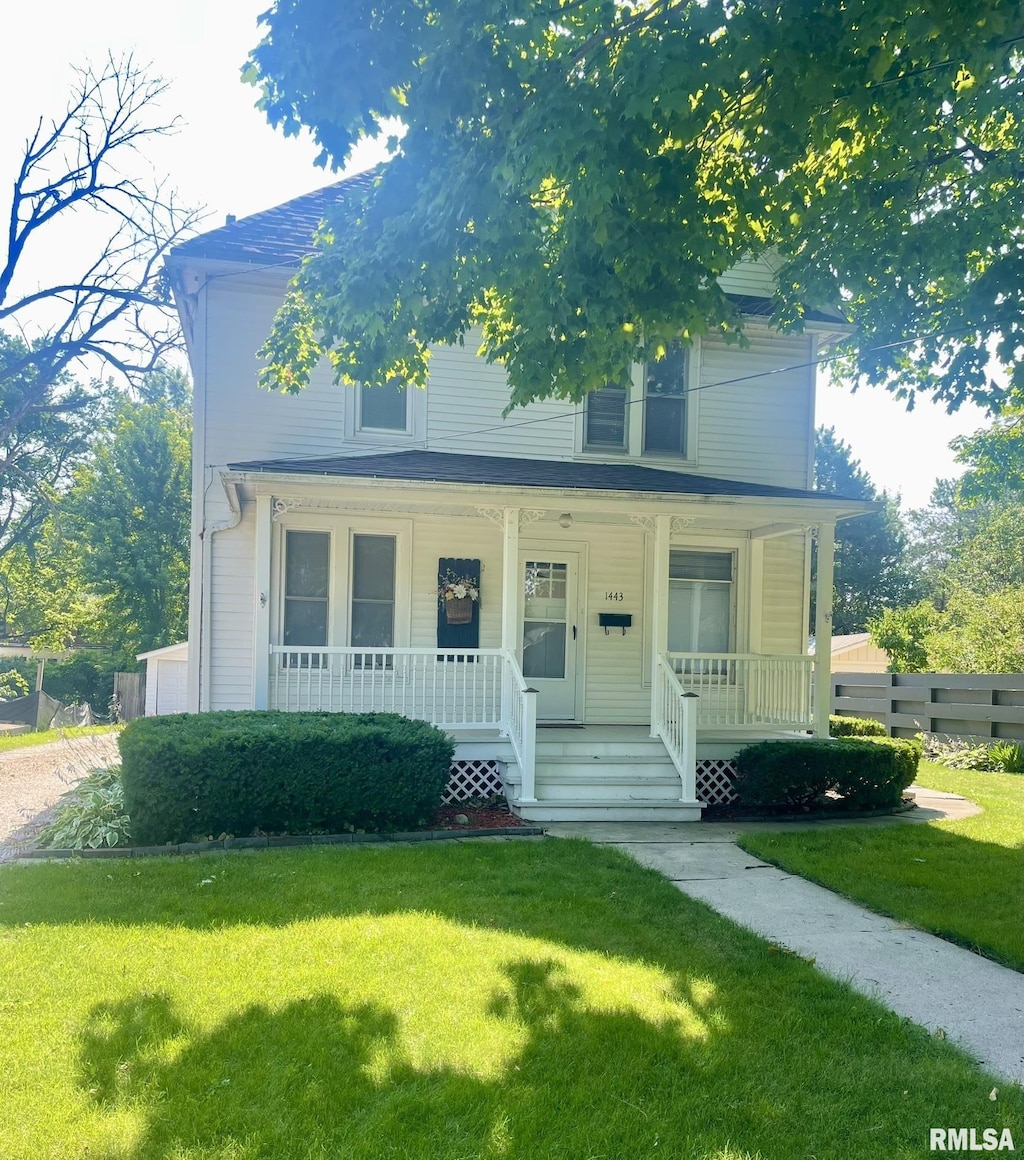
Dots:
(551, 631)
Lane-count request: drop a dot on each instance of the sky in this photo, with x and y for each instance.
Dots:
(226, 157)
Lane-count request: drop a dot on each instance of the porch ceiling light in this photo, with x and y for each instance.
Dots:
(565, 520)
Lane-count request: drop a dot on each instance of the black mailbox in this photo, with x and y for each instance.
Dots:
(609, 620)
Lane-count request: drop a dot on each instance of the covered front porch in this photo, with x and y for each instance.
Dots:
(703, 708)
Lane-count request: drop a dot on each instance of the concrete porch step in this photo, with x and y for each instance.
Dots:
(590, 810)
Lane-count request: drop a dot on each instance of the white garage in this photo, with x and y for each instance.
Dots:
(166, 679)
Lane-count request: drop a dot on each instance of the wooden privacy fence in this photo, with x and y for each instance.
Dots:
(986, 705)
(130, 695)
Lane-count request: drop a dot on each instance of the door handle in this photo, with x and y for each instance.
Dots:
(574, 632)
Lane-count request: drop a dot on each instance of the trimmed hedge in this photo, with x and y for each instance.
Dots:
(866, 774)
(191, 776)
(855, 727)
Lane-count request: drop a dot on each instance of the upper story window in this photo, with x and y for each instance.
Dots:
(606, 420)
(656, 400)
(665, 403)
(384, 408)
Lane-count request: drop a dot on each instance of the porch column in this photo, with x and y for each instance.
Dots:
(261, 604)
(510, 581)
(659, 605)
(823, 628)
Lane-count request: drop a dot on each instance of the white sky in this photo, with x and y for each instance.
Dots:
(228, 159)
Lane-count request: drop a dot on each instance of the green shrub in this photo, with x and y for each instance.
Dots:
(1008, 756)
(864, 773)
(1002, 757)
(855, 727)
(208, 774)
(90, 815)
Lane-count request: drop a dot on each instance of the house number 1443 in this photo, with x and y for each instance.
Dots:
(613, 596)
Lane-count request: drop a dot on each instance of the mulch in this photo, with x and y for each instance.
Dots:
(489, 817)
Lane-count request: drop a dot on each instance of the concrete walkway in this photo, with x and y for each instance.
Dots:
(976, 1003)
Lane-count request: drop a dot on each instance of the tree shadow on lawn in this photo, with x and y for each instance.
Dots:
(318, 1078)
(790, 1064)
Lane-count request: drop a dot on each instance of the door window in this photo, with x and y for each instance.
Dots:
(545, 619)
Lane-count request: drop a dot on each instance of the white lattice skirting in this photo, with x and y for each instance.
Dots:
(472, 779)
(714, 780)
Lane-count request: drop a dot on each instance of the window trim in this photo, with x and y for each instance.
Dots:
(341, 528)
(415, 419)
(351, 585)
(607, 448)
(635, 408)
(740, 627)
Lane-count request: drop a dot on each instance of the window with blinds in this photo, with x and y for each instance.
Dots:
(700, 602)
(605, 419)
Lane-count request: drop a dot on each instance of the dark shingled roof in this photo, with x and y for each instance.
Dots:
(282, 235)
(499, 471)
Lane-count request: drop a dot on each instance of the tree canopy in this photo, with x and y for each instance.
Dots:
(574, 175)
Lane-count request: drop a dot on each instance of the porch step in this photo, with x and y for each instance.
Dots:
(639, 810)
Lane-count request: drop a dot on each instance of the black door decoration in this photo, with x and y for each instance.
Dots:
(458, 635)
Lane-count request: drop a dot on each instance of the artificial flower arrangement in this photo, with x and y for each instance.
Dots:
(458, 594)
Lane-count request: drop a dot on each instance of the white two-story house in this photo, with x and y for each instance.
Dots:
(642, 560)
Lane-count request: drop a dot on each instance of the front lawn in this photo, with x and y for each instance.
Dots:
(514, 1001)
(962, 880)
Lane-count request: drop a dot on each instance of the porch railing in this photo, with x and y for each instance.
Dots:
(519, 714)
(452, 688)
(747, 691)
(674, 722)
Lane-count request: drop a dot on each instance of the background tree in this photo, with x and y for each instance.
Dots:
(111, 313)
(969, 544)
(870, 569)
(125, 522)
(574, 175)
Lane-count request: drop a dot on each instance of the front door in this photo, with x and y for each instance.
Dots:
(551, 631)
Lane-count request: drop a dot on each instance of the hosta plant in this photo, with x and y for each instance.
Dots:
(91, 815)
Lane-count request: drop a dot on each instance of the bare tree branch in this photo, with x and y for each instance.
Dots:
(111, 314)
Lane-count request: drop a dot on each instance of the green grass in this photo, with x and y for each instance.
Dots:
(963, 880)
(511, 1001)
(26, 740)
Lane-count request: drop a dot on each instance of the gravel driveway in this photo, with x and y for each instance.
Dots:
(31, 781)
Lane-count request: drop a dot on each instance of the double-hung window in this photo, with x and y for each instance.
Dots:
(384, 408)
(665, 403)
(373, 595)
(307, 570)
(606, 419)
(700, 602)
(657, 399)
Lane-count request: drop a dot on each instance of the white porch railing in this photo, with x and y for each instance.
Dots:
(674, 722)
(452, 688)
(519, 715)
(747, 691)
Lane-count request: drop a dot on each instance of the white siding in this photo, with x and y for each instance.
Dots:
(230, 648)
(783, 616)
(756, 430)
(465, 400)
